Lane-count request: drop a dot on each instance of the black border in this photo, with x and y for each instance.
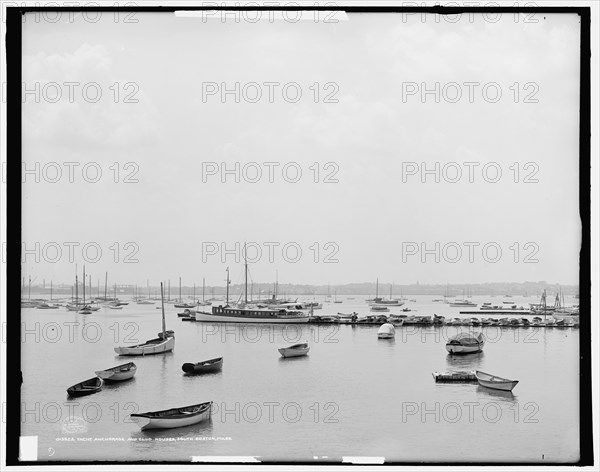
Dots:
(13, 186)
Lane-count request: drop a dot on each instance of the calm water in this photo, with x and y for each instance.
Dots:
(353, 395)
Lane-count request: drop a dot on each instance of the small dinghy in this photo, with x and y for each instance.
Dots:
(386, 331)
(87, 387)
(465, 343)
(205, 367)
(173, 418)
(495, 382)
(114, 307)
(118, 373)
(296, 350)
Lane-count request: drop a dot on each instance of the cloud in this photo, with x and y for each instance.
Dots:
(76, 100)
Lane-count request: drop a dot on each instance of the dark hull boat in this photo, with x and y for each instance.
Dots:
(205, 367)
(87, 387)
(464, 343)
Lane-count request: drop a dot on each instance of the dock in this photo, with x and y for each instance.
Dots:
(498, 312)
(456, 376)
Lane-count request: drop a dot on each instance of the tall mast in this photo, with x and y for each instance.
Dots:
(84, 286)
(29, 288)
(148, 284)
(105, 284)
(162, 303)
(227, 299)
(76, 290)
(179, 289)
(51, 290)
(169, 290)
(202, 289)
(245, 276)
(194, 294)
(377, 288)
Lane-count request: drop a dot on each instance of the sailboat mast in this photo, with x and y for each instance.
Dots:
(245, 276)
(227, 282)
(51, 290)
(84, 286)
(180, 290)
(202, 289)
(105, 284)
(162, 303)
(29, 288)
(377, 288)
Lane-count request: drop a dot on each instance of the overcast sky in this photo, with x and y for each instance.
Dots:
(371, 136)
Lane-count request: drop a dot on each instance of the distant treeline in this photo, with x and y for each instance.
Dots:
(366, 288)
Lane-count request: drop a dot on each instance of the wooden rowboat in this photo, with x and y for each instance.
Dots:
(495, 382)
(296, 350)
(87, 387)
(118, 373)
(173, 418)
(211, 365)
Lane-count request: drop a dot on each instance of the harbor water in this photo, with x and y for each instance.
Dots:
(352, 395)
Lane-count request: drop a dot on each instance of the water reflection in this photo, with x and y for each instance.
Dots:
(118, 385)
(498, 394)
(294, 359)
(387, 342)
(464, 361)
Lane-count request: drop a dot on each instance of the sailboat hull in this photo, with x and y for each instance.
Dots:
(154, 346)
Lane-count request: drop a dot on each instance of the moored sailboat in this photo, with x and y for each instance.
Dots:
(165, 342)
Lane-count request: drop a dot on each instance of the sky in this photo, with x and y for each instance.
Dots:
(161, 133)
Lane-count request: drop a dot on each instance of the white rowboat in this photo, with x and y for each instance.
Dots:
(495, 382)
(296, 350)
(174, 417)
(118, 373)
